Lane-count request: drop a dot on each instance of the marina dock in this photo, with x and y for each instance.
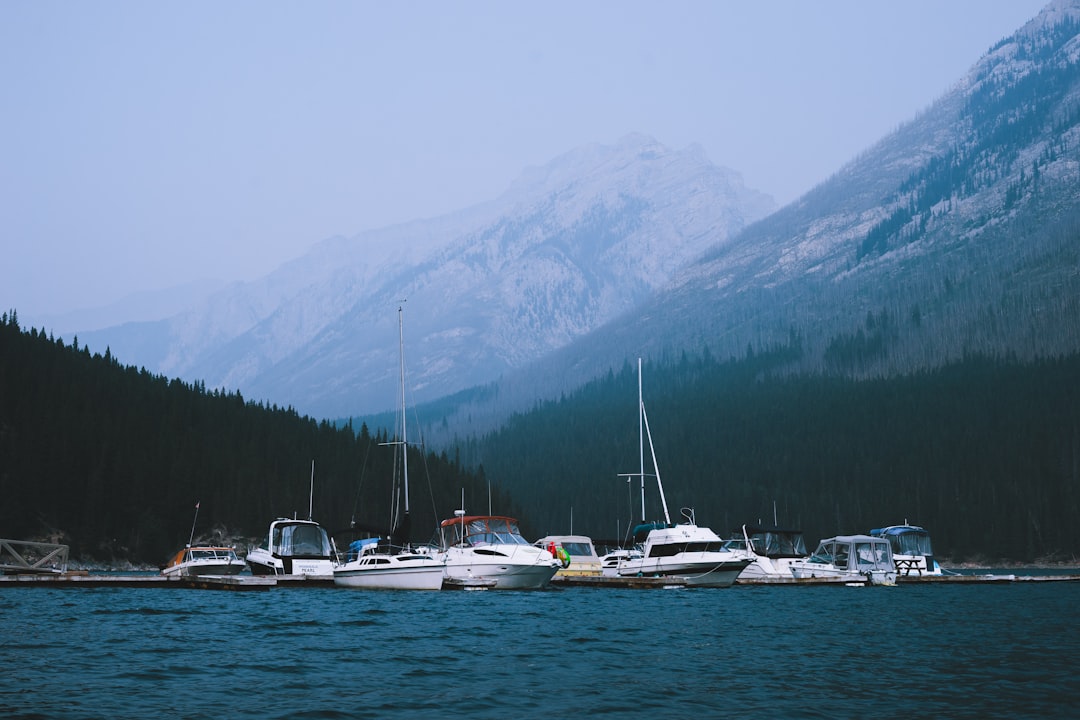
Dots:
(244, 582)
(83, 579)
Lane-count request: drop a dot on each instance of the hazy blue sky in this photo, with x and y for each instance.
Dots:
(147, 144)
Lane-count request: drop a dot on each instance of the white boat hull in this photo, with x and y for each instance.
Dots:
(263, 563)
(700, 571)
(518, 569)
(869, 577)
(197, 569)
(403, 575)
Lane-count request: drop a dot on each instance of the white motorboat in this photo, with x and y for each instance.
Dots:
(911, 550)
(576, 552)
(685, 550)
(609, 562)
(199, 560)
(771, 551)
(293, 547)
(857, 559)
(481, 549)
(400, 568)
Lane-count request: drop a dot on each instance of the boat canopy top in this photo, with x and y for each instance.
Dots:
(299, 538)
(906, 539)
(641, 532)
(476, 530)
(856, 553)
(578, 546)
(775, 542)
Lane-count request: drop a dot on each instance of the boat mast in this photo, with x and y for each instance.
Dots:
(404, 446)
(311, 491)
(641, 437)
(656, 466)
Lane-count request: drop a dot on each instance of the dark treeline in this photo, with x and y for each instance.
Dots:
(985, 453)
(115, 458)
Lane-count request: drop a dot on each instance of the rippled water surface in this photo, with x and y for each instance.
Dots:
(1000, 651)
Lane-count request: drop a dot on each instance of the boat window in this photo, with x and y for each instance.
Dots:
(870, 556)
(577, 549)
(308, 540)
(824, 554)
(840, 555)
(489, 551)
(911, 543)
(669, 549)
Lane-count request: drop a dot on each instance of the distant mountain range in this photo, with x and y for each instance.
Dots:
(958, 233)
(568, 247)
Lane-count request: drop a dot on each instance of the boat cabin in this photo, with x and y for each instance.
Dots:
(774, 542)
(580, 553)
(857, 554)
(911, 549)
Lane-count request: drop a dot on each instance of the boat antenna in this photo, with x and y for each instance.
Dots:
(192, 536)
(311, 492)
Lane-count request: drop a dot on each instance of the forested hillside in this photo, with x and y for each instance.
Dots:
(112, 459)
(984, 452)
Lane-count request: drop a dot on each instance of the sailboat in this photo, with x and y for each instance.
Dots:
(368, 567)
(684, 550)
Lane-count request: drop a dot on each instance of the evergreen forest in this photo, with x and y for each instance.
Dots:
(984, 453)
(112, 460)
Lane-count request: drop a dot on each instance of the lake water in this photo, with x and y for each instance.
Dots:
(978, 651)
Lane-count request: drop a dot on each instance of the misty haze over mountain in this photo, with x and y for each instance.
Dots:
(954, 234)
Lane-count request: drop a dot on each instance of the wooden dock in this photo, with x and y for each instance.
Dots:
(83, 579)
(599, 581)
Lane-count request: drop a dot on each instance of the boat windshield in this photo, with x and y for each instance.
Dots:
(872, 556)
(478, 531)
(213, 554)
(911, 543)
(577, 549)
(827, 554)
(778, 543)
(301, 540)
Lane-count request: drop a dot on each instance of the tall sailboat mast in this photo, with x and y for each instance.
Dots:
(641, 437)
(404, 445)
(643, 432)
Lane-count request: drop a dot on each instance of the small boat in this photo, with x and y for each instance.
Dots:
(911, 549)
(198, 560)
(856, 559)
(771, 551)
(576, 552)
(293, 547)
(685, 550)
(479, 549)
(609, 562)
(403, 568)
